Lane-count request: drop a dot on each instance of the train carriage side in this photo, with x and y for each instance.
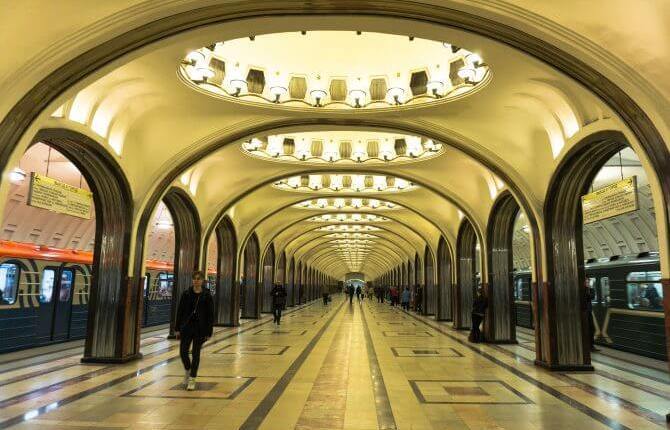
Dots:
(523, 304)
(627, 304)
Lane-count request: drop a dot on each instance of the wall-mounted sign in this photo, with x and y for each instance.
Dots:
(56, 196)
(614, 199)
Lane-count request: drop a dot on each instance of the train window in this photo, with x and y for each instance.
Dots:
(47, 285)
(591, 283)
(643, 292)
(518, 289)
(165, 284)
(9, 283)
(605, 290)
(66, 281)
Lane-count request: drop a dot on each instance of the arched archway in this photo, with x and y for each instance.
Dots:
(291, 284)
(300, 280)
(250, 291)
(268, 278)
(186, 222)
(500, 320)
(280, 272)
(429, 282)
(565, 335)
(227, 297)
(113, 323)
(466, 243)
(444, 287)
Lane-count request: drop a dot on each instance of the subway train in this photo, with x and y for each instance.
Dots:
(44, 294)
(627, 303)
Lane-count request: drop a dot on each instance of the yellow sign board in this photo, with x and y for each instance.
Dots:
(615, 199)
(56, 196)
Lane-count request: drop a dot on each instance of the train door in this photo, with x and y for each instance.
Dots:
(55, 299)
(63, 305)
(147, 283)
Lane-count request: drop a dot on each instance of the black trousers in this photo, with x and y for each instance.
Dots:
(380, 298)
(188, 337)
(276, 310)
(475, 334)
(351, 298)
(405, 305)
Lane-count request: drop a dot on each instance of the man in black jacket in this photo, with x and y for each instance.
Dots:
(278, 294)
(194, 325)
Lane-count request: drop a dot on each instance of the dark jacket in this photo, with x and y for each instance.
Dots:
(200, 318)
(479, 305)
(278, 294)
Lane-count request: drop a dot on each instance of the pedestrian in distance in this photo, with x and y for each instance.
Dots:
(358, 293)
(478, 311)
(194, 326)
(278, 294)
(418, 300)
(404, 299)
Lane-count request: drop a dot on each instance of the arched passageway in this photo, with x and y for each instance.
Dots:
(251, 293)
(466, 283)
(291, 284)
(500, 320)
(268, 278)
(444, 286)
(227, 297)
(430, 304)
(568, 299)
(112, 331)
(186, 223)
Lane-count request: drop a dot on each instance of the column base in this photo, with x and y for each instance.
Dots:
(565, 367)
(225, 325)
(503, 342)
(444, 319)
(112, 360)
(171, 337)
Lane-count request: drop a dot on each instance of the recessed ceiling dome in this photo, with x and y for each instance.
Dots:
(344, 183)
(342, 147)
(334, 70)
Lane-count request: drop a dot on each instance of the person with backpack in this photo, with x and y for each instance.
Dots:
(194, 326)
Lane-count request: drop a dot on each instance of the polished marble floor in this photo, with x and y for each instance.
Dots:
(361, 366)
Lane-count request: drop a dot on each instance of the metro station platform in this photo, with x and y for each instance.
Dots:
(361, 366)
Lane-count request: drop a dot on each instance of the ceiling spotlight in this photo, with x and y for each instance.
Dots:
(17, 175)
(358, 96)
(317, 96)
(277, 91)
(396, 94)
(436, 88)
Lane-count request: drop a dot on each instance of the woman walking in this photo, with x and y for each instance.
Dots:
(194, 325)
(278, 294)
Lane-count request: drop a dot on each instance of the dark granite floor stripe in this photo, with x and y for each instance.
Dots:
(618, 401)
(77, 396)
(633, 384)
(385, 418)
(611, 423)
(615, 366)
(255, 419)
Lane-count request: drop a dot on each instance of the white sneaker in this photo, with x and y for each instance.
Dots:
(187, 374)
(191, 384)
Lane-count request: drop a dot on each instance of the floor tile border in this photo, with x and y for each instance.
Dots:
(385, 418)
(611, 423)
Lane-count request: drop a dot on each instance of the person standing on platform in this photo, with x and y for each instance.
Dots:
(394, 296)
(478, 310)
(404, 299)
(350, 293)
(418, 299)
(358, 293)
(194, 325)
(278, 294)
